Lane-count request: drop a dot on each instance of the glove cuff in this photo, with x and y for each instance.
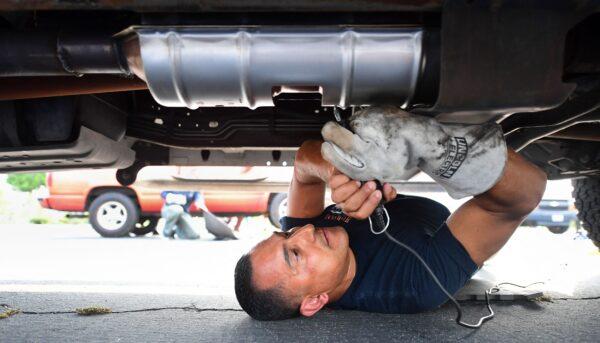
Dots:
(473, 162)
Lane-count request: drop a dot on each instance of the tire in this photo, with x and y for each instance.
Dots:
(586, 192)
(277, 208)
(145, 226)
(558, 229)
(113, 214)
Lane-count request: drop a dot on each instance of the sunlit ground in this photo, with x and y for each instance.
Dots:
(73, 258)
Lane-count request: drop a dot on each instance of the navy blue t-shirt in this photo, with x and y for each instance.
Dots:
(389, 279)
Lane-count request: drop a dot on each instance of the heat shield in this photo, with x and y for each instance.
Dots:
(245, 67)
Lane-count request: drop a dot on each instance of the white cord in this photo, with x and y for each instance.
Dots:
(443, 289)
(435, 279)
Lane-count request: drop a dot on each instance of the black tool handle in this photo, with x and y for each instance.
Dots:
(378, 216)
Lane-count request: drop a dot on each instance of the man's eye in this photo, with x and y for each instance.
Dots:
(295, 252)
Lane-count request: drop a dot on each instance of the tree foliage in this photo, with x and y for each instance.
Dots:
(26, 182)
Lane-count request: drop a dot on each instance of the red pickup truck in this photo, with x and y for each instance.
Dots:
(136, 209)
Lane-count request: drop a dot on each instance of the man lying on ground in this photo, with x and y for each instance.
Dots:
(329, 256)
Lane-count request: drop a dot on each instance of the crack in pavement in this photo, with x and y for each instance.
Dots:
(192, 308)
(583, 298)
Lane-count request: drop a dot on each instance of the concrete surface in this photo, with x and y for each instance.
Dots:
(76, 258)
(183, 291)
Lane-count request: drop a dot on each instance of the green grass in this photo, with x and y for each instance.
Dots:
(39, 220)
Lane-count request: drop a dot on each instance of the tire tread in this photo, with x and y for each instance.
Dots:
(586, 192)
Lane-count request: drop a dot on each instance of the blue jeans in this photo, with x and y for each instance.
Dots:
(178, 221)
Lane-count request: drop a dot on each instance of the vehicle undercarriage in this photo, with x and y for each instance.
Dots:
(128, 84)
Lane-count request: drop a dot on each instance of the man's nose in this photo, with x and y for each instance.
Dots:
(304, 234)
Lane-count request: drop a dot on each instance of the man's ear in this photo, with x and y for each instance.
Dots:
(312, 304)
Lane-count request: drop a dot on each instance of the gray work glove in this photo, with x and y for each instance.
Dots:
(389, 143)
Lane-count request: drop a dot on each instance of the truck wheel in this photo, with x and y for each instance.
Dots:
(586, 192)
(145, 225)
(558, 229)
(113, 214)
(277, 208)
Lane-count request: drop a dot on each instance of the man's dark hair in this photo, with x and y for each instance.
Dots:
(269, 304)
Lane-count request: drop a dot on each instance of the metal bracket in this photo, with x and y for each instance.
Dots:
(502, 57)
(89, 150)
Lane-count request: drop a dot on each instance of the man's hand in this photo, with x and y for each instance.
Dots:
(388, 144)
(355, 200)
(309, 165)
(378, 147)
(307, 190)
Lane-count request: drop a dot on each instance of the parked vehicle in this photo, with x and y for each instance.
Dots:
(557, 215)
(116, 211)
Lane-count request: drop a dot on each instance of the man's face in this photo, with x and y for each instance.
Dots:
(306, 261)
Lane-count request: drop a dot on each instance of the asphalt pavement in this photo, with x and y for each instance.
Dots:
(167, 291)
(173, 318)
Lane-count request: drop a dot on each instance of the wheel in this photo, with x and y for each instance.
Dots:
(145, 226)
(586, 192)
(558, 229)
(113, 214)
(277, 208)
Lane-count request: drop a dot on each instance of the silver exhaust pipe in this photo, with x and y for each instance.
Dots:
(245, 67)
